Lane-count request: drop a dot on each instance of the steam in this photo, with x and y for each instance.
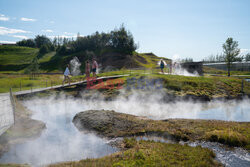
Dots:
(150, 105)
(75, 66)
(61, 141)
(177, 69)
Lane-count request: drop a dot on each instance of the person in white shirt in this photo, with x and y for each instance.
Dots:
(94, 67)
(66, 75)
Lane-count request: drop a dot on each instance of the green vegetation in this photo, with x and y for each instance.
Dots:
(150, 153)
(231, 51)
(13, 165)
(26, 82)
(46, 57)
(209, 70)
(15, 58)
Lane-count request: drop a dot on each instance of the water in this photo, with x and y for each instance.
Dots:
(229, 157)
(152, 108)
(61, 141)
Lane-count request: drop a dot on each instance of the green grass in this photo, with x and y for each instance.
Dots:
(14, 165)
(207, 86)
(26, 82)
(47, 57)
(209, 70)
(150, 153)
(16, 55)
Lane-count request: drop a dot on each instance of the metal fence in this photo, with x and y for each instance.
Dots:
(7, 111)
(236, 66)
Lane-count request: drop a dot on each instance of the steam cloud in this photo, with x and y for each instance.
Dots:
(61, 141)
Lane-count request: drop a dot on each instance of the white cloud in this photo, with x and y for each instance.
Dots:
(244, 51)
(47, 30)
(68, 33)
(4, 18)
(8, 42)
(63, 36)
(27, 19)
(20, 36)
(5, 31)
(52, 22)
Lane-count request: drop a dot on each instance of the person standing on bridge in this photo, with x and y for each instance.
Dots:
(94, 67)
(66, 75)
(162, 66)
(87, 69)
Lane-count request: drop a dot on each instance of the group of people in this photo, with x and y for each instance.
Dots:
(88, 69)
(172, 66)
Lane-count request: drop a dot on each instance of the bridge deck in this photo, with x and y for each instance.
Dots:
(64, 86)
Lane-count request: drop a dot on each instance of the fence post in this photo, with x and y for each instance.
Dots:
(20, 85)
(46, 83)
(13, 104)
(51, 84)
(242, 86)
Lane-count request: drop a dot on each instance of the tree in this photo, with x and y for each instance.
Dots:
(33, 68)
(247, 57)
(231, 51)
(44, 49)
(42, 40)
(27, 42)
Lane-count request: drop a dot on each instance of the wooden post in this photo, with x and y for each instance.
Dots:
(20, 85)
(242, 86)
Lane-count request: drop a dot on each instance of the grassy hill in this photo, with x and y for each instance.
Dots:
(16, 58)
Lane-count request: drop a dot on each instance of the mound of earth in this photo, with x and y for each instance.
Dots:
(113, 124)
(108, 123)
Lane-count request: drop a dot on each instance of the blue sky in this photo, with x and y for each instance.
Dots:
(168, 28)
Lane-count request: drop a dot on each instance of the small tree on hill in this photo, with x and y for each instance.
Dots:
(231, 51)
(44, 49)
(33, 68)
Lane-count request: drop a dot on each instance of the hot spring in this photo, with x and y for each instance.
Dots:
(61, 141)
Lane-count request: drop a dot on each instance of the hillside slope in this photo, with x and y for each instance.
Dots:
(15, 58)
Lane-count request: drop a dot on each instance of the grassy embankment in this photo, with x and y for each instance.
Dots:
(150, 153)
